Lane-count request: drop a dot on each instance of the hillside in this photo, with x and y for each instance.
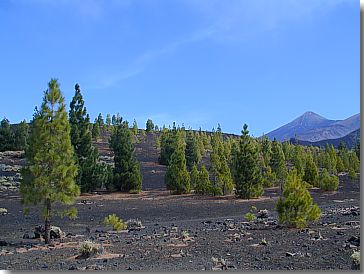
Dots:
(350, 140)
(313, 127)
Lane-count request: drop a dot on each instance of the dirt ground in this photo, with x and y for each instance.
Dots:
(186, 232)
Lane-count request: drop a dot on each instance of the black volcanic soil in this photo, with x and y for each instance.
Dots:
(215, 225)
(216, 228)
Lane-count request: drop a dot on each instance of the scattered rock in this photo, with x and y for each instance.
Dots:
(134, 224)
(355, 241)
(3, 211)
(263, 214)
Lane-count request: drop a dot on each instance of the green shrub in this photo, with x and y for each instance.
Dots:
(352, 174)
(250, 217)
(355, 260)
(328, 182)
(296, 207)
(116, 222)
(89, 248)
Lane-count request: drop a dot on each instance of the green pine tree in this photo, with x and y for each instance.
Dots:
(278, 163)
(222, 182)
(168, 145)
(135, 127)
(311, 172)
(299, 160)
(266, 150)
(6, 136)
(95, 130)
(296, 207)
(193, 156)
(194, 175)
(248, 179)
(203, 185)
(108, 121)
(149, 125)
(127, 175)
(100, 121)
(49, 176)
(328, 182)
(21, 136)
(177, 178)
(86, 155)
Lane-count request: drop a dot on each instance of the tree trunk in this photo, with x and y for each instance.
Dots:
(47, 224)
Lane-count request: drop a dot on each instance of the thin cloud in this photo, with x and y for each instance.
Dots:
(230, 22)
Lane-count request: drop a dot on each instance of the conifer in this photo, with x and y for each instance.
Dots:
(127, 175)
(50, 147)
(248, 179)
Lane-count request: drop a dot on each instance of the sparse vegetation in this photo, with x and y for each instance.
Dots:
(89, 248)
(356, 259)
(250, 216)
(116, 222)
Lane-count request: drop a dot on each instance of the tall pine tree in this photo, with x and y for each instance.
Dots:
(278, 163)
(177, 178)
(248, 179)
(87, 155)
(49, 176)
(127, 175)
(193, 156)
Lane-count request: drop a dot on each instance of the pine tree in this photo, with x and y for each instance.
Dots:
(135, 127)
(278, 162)
(357, 148)
(328, 182)
(248, 179)
(222, 182)
(108, 121)
(266, 150)
(113, 120)
(168, 145)
(86, 155)
(100, 121)
(299, 160)
(149, 125)
(127, 175)
(194, 175)
(6, 136)
(296, 207)
(311, 171)
(21, 136)
(354, 161)
(95, 130)
(49, 176)
(193, 156)
(177, 178)
(203, 184)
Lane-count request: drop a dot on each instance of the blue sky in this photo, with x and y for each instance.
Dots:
(197, 62)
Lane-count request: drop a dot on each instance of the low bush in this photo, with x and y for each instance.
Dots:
(250, 216)
(352, 174)
(116, 222)
(89, 248)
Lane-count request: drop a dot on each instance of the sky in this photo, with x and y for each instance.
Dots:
(197, 62)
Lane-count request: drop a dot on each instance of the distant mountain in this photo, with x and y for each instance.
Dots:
(313, 127)
(350, 141)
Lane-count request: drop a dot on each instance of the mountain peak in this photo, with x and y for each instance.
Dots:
(311, 114)
(309, 118)
(311, 126)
